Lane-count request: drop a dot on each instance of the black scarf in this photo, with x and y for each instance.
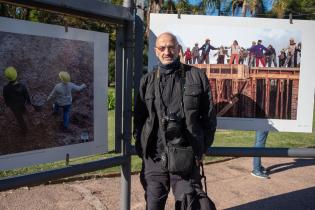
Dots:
(169, 68)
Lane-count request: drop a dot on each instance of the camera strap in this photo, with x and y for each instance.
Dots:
(158, 94)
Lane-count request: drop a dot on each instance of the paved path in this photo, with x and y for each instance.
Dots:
(230, 185)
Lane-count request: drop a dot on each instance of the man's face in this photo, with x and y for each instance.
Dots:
(166, 49)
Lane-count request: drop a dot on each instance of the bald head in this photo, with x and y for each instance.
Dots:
(167, 35)
(166, 48)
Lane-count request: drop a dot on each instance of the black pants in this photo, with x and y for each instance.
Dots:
(157, 181)
(19, 116)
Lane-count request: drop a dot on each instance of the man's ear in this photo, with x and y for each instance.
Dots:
(156, 53)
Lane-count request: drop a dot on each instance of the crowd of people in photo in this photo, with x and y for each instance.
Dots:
(253, 56)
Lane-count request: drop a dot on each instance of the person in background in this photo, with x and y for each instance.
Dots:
(282, 58)
(62, 96)
(221, 55)
(251, 60)
(260, 142)
(272, 56)
(205, 51)
(235, 51)
(188, 56)
(259, 53)
(293, 50)
(16, 96)
(242, 56)
(195, 54)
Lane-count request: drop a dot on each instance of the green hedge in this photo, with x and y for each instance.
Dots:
(111, 98)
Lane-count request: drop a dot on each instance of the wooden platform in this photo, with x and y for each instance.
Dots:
(257, 92)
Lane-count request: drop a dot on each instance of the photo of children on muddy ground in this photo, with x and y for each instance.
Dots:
(46, 95)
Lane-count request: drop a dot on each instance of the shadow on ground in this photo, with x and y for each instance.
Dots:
(299, 162)
(300, 200)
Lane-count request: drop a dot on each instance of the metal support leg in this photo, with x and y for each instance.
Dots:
(127, 116)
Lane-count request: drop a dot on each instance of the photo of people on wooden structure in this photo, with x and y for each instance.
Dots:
(252, 84)
(46, 92)
(253, 72)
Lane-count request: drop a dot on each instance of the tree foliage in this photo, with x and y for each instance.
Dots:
(302, 9)
(41, 16)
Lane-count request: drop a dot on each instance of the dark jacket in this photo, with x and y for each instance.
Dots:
(206, 47)
(16, 95)
(198, 107)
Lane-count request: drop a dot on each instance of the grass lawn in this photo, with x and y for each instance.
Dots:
(222, 138)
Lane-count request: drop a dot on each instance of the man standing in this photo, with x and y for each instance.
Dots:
(251, 60)
(195, 54)
(174, 103)
(16, 97)
(272, 56)
(205, 51)
(291, 60)
(259, 53)
(260, 142)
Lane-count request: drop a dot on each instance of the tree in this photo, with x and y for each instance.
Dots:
(303, 9)
(279, 8)
(253, 6)
(206, 5)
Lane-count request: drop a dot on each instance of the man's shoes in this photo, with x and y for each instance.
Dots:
(259, 174)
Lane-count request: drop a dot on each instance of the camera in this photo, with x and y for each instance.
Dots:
(172, 125)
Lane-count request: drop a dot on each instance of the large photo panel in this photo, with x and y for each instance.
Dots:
(53, 93)
(259, 70)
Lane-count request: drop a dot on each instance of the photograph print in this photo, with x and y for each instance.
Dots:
(48, 94)
(39, 116)
(253, 69)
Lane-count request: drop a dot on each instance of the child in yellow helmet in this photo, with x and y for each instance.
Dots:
(62, 95)
(16, 97)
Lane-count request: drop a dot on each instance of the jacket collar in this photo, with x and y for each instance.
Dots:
(169, 68)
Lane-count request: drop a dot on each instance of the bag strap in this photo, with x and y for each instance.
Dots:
(182, 86)
(158, 97)
(203, 176)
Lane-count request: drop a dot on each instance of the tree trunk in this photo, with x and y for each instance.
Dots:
(155, 7)
(218, 5)
(244, 8)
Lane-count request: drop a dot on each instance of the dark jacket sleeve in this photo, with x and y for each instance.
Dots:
(213, 48)
(207, 113)
(140, 116)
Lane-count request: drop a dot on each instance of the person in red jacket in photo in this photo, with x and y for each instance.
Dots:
(188, 56)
